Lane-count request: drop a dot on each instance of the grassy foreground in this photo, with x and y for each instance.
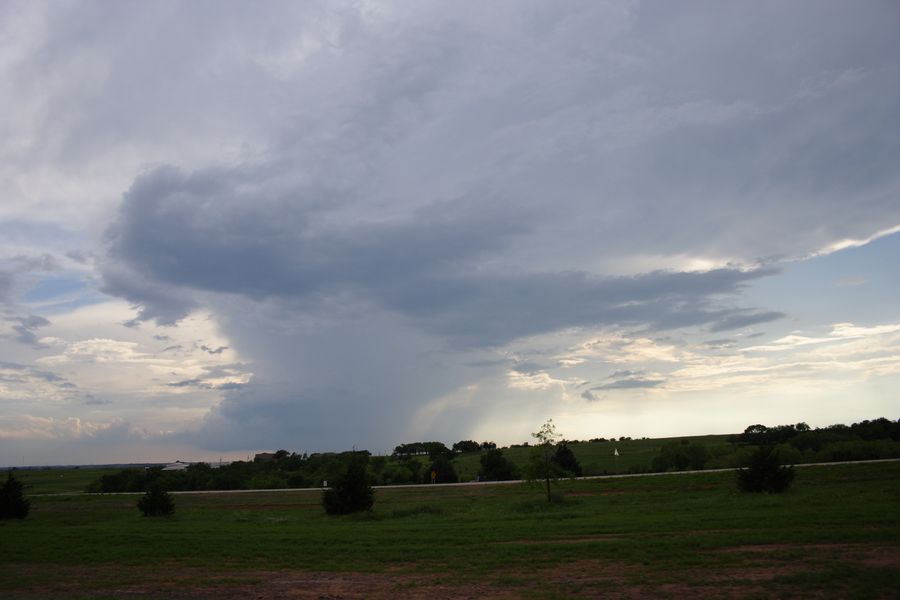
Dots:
(835, 534)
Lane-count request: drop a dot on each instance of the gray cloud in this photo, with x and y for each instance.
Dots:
(25, 329)
(720, 343)
(745, 318)
(263, 415)
(186, 383)
(92, 401)
(528, 367)
(209, 350)
(6, 286)
(623, 373)
(23, 376)
(629, 384)
(11, 269)
(364, 209)
(425, 267)
(79, 256)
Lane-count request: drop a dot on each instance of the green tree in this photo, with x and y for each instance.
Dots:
(565, 460)
(680, 456)
(443, 469)
(466, 446)
(351, 491)
(156, 502)
(13, 504)
(541, 466)
(496, 467)
(765, 473)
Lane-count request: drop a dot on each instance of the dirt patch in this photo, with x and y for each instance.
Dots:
(866, 554)
(580, 494)
(751, 570)
(181, 583)
(772, 548)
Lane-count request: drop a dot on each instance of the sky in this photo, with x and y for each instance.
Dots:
(230, 227)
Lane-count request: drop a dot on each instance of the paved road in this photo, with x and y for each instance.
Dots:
(425, 486)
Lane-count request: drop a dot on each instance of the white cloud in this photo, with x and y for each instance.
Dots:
(29, 427)
(97, 350)
(533, 381)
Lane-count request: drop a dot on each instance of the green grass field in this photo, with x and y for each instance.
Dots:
(597, 458)
(835, 534)
(64, 480)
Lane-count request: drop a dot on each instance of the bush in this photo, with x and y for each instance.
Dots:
(765, 473)
(443, 470)
(351, 491)
(566, 460)
(681, 456)
(13, 504)
(156, 502)
(496, 467)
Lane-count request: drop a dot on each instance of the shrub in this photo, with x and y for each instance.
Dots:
(443, 470)
(765, 473)
(566, 460)
(351, 491)
(680, 456)
(496, 467)
(156, 502)
(13, 504)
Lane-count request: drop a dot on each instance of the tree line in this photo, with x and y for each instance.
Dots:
(791, 444)
(434, 462)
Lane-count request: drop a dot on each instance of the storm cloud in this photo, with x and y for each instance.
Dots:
(510, 172)
(179, 238)
(406, 218)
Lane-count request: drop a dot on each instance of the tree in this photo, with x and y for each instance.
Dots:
(13, 504)
(754, 434)
(765, 473)
(443, 470)
(432, 449)
(156, 502)
(680, 456)
(565, 460)
(350, 491)
(496, 467)
(541, 466)
(466, 446)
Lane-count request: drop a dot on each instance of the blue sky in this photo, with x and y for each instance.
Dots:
(318, 225)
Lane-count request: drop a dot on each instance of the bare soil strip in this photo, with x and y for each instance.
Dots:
(756, 574)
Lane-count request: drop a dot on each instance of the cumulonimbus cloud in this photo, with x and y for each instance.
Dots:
(411, 180)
